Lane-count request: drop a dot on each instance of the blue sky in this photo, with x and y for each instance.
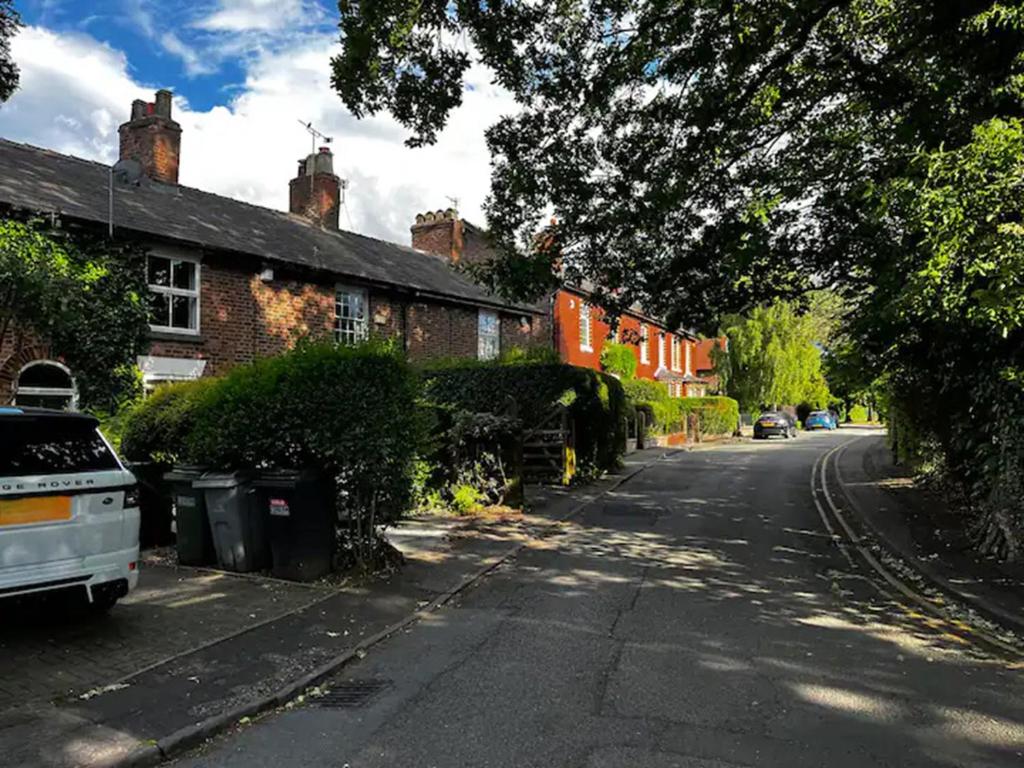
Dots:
(244, 72)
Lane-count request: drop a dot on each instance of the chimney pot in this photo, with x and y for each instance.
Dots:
(163, 103)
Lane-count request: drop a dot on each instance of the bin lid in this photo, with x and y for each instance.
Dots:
(221, 480)
(284, 478)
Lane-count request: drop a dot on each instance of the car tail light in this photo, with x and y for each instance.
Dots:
(132, 565)
(131, 497)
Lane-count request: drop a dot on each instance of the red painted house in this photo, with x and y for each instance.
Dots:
(663, 354)
(579, 330)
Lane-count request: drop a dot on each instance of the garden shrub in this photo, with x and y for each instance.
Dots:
(479, 451)
(653, 398)
(715, 415)
(596, 401)
(619, 360)
(348, 411)
(159, 427)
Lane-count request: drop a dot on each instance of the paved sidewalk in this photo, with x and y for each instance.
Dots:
(94, 694)
(926, 534)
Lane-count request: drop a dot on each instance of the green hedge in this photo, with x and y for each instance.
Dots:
(159, 427)
(596, 401)
(653, 397)
(350, 412)
(716, 415)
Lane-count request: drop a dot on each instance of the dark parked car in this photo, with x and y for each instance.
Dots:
(774, 423)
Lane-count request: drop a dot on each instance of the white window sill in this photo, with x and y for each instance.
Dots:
(586, 349)
(174, 331)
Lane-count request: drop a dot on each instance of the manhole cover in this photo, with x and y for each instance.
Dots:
(352, 694)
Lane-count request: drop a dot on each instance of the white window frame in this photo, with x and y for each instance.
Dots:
(661, 349)
(360, 325)
(674, 348)
(645, 352)
(486, 351)
(71, 393)
(166, 290)
(586, 328)
(689, 372)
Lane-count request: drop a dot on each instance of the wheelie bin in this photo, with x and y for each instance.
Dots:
(239, 536)
(299, 511)
(191, 523)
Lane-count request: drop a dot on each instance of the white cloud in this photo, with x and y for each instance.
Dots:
(194, 63)
(247, 15)
(75, 91)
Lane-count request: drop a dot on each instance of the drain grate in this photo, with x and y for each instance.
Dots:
(352, 693)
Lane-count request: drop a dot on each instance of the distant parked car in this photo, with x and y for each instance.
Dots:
(820, 420)
(774, 423)
(69, 510)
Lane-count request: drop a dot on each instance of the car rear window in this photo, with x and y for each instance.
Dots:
(51, 446)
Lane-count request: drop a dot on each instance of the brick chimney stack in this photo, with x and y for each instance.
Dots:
(152, 138)
(440, 233)
(315, 192)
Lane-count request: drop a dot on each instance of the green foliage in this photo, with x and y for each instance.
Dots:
(529, 355)
(10, 23)
(772, 358)
(596, 401)
(619, 359)
(749, 137)
(348, 411)
(716, 416)
(159, 428)
(475, 450)
(84, 296)
(466, 498)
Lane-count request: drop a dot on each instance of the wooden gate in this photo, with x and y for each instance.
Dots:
(549, 448)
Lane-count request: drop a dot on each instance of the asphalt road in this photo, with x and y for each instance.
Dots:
(697, 617)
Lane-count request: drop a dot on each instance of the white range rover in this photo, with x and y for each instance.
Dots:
(69, 510)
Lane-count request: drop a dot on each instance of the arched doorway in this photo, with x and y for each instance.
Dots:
(46, 384)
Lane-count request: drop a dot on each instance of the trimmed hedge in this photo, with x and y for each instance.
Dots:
(159, 427)
(348, 411)
(716, 415)
(596, 401)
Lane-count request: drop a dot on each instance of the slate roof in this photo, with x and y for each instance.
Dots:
(43, 180)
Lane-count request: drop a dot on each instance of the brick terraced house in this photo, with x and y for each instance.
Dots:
(230, 282)
(663, 354)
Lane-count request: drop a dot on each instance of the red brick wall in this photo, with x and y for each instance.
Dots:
(567, 337)
(156, 144)
(242, 318)
(18, 347)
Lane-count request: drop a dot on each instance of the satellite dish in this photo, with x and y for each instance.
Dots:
(127, 171)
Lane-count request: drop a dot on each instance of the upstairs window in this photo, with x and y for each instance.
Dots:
(350, 315)
(173, 294)
(675, 353)
(585, 330)
(488, 335)
(661, 350)
(645, 352)
(689, 371)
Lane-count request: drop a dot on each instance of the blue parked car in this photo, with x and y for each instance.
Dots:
(820, 420)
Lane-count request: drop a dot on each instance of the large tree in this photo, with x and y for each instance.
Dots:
(10, 22)
(772, 359)
(699, 156)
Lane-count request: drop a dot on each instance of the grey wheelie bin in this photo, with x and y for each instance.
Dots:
(239, 536)
(299, 511)
(191, 523)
